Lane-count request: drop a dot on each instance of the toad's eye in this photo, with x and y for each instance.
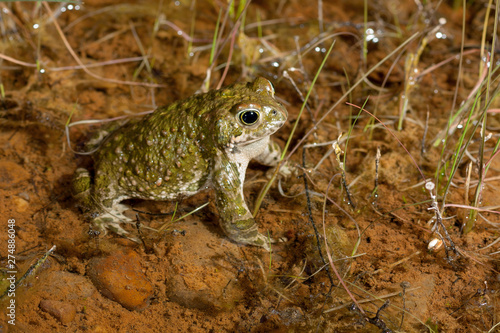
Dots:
(249, 117)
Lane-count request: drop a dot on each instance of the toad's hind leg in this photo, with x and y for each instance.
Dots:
(106, 213)
(111, 218)
(81, 187)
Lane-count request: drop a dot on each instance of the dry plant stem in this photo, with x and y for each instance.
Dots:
(391, 266)
(379, 322)
(304, 72)
(445, 61)
(462, 145)
(20, 24)
(403, 285)
(311, 220)
(479, 209)
(286, 75)
(97, 64)
(439, 221)
(422, 149)
(455, 119)
(483, 168)
(467, 182)
(163, 227)
(181, 33)
(485, 29)
(139, 230)
(348, 92)
(493, 328)
(18, 62)
(320, 16)
(141, 47)
(330, 259)
(33, 268)
(490, 245)
(338, 151)
(220, 45)
(346, 214)
(381, 90)
(282, 160)
(230, 55)
(370, 300)
(411, 67)
(93, 121)
(460, 61)
(394, 135)
(374, 192)
(311, 45)
(301, 64)
(79, 62)
(295, 125)
(379, 298)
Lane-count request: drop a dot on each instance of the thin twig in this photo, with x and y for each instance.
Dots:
(85, 69)
(311, 220)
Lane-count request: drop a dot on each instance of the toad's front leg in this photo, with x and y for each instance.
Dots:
(235, 218)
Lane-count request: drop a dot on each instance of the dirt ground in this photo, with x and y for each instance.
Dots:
(188, 277)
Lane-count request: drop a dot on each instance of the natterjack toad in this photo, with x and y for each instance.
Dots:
(178, 150)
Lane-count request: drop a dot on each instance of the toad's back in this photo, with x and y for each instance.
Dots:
(166, 155)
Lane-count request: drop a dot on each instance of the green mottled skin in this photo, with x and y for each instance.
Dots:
(180, 149)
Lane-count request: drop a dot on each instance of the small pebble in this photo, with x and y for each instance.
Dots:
(119, 277)
(21, 204)
(62, 311)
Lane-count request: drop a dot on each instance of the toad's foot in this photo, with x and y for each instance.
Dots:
(246, 232)
(112, 220)
(286, 170)
(250, 236)
(271, 157)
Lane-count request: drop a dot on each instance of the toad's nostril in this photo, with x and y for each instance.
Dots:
(275, 112)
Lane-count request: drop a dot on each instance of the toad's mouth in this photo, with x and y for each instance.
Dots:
(246, 142)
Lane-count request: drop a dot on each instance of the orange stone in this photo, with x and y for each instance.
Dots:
(119, 277)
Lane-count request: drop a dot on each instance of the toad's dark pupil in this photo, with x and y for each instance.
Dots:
(249, 117)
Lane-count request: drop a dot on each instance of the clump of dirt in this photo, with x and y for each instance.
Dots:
(365, 220)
